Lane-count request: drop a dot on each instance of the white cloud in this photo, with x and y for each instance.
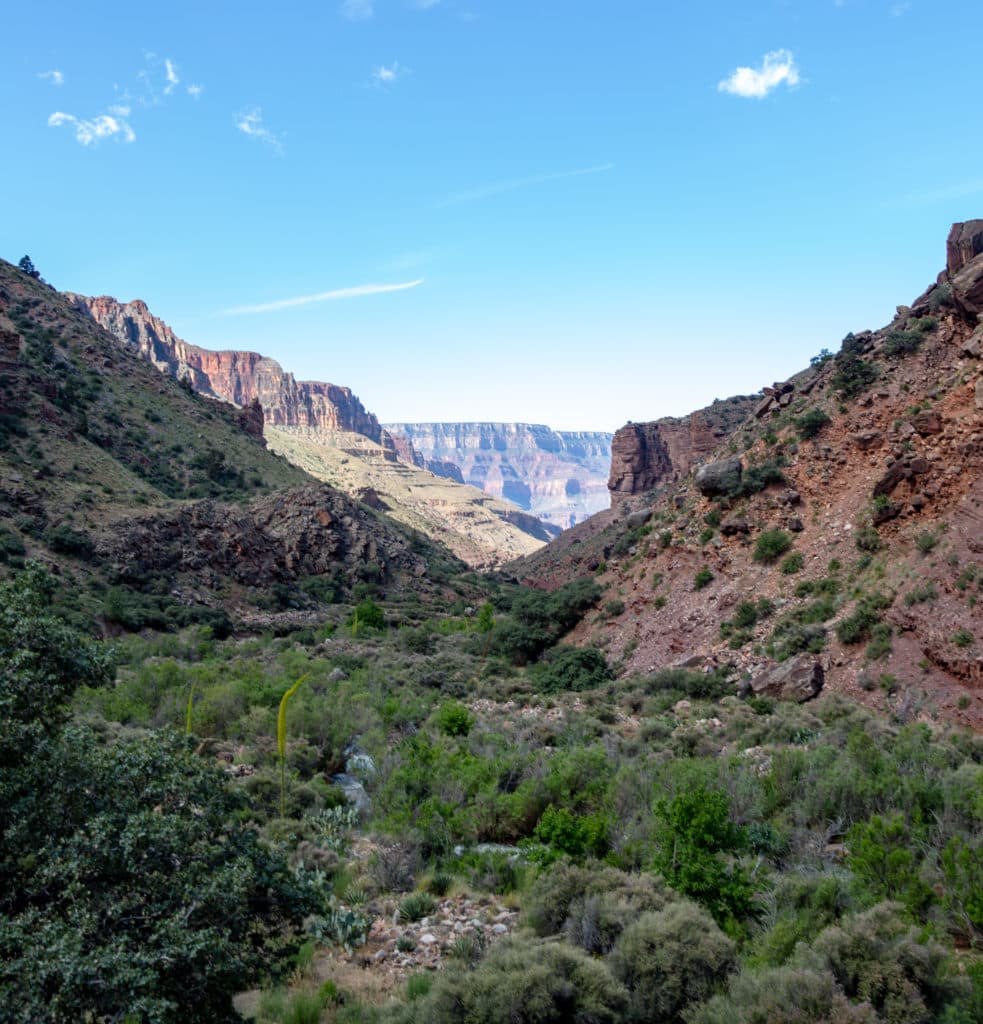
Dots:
(755, 83)
(170, 73)
(497, 188)
(900, 9)
(87, 131)
(194, 91)
(387, 75)
(332, 296)
(251, 124)
(357, 10)
(54, 77)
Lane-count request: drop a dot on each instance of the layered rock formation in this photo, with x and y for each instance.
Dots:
(238, 377)
(327, 431)
(644, 455)
(559, 476)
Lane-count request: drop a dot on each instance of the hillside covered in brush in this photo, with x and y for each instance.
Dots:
(162, 507)
(836, 533)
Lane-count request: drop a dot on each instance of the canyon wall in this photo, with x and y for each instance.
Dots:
(644, 455)
(239, 377)
(559, 476)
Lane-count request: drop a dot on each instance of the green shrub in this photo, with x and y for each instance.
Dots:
(757, 477)
(523, 981)
(454, 719)
(868, 539)
(575, 835)
(556, 902)
(614, 608)
(416, 906)
(963, 637)
(698, 685)
(694, 832)
(811, 423)
(926, 541)
(793, 563)
(669, 960)
(566, 668)
(68, 541)
(702, 578)
(922, 592)
(367, 615)
(771, 545)
(852, 375)
(866, 615)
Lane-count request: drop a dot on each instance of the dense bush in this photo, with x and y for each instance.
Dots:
(538, 619)
(810, 424)
(125, 861)
(523, 982)
(853, 375)
(771, 545)
(669, 960)
(566, 668)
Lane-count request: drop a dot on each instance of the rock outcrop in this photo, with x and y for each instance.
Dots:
(645, 455)
(309, 531)
(238, 377)
(558, 476)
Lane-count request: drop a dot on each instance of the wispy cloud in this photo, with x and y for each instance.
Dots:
(900, 9)
(498, 187)
(357, 10)
(54, 77)
(251, 124)
(194, 91)
(755, 83)
(90, 130)
(387, 75)
(333, 296)
(171, 75)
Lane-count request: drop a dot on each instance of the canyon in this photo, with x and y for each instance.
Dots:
(558, 476)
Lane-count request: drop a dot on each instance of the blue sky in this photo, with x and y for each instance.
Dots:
(569, 212)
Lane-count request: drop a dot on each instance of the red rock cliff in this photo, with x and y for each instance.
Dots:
(239, 377)
(644, 455)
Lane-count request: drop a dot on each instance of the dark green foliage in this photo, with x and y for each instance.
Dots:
(702, 578)
(865, 617)
(26, 265)
(537, 619)
(771, 545)
(454, 719)
(66, 540)
(926, 541)
(669, 960)
(614, 608)
(566, 668)
(124, 862)
(811, 423)
(899, 343)
(793, 563)
(699, 685)
(853, 375)
(367, 615)
(757, 477)
(695, 834)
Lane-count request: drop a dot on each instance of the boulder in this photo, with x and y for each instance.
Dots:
(639, 518)
(967, 289)
(928, 422)
(799, 679)
(734, 525)
(965, 243)
(716, 478)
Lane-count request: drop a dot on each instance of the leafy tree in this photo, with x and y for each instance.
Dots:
(27, 266)
(128, 889)
(695, 835)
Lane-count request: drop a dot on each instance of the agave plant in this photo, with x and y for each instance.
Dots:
(281, 742)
